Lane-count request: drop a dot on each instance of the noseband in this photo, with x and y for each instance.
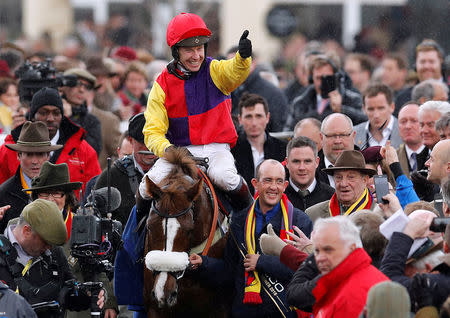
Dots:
(176, 274)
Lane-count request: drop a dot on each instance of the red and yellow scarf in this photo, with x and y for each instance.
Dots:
(252, 281)
(364, 202)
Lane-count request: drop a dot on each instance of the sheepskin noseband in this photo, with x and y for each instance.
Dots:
(163, 261)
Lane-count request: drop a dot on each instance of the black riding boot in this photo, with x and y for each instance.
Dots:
(240, 197)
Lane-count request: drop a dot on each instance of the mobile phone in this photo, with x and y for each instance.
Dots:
(381, 187)
(329, 84)
(439, 224)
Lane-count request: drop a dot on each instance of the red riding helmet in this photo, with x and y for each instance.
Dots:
(187, 25)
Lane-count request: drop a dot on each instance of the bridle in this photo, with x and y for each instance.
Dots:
(178, 274)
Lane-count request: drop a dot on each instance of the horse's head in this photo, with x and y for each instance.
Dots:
(170, 226)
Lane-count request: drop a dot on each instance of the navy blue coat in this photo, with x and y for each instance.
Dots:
(229, 271)
(393, 266)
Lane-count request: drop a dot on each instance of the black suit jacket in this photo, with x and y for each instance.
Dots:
(11, 193)
(242, 152)
(321, 192)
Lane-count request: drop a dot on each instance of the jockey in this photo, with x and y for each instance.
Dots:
(190, 106)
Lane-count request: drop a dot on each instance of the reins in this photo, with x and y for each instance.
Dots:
(216, 212)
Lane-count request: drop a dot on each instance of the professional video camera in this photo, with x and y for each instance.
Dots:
(34, 76)
(95, 236)
(73, 296)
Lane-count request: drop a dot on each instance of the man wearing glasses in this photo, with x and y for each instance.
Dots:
(337, 135)
(76, 96)
(47, 106)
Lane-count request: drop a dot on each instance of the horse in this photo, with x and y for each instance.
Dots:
(179, 221)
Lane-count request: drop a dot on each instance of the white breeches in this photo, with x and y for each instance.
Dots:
(221, 170)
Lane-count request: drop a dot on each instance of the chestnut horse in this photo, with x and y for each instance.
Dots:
(179, 221)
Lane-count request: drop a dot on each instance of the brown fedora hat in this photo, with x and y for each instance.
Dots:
(33, 138)
(350, 160)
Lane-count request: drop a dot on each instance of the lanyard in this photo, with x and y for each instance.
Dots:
(24, 271)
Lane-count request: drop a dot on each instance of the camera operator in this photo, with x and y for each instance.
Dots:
(326, 94)
(32, 262)
(53, 184)
(77, 96)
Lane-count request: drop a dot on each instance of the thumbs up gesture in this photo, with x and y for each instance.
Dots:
(245, 45)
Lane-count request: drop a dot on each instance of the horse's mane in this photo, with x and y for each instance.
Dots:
(183, 162)
(181, 178)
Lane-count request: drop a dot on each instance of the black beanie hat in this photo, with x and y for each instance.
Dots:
(45, 96)
(135, 126)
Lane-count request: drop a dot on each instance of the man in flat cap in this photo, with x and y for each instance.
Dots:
(32, 261)
(350, 176)
(33, 149)
(47, 106)
(77, 97)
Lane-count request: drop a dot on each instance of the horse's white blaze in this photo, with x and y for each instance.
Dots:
(172, 228)
(159, 286)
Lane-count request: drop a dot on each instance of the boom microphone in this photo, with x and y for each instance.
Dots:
(99, 199)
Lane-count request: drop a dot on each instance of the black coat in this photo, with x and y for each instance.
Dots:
(120, 180)
(393, 266)
(230, 269)
(242, 153)
(41, 272)
(305, 106)
(11, 193)
(321, 192)
(274, 96)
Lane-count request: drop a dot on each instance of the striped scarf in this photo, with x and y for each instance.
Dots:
(252, 281)
(364, 202)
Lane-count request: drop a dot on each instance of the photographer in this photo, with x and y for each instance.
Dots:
(326, 94)
(32, 263)
(396, 254)
(77, 96)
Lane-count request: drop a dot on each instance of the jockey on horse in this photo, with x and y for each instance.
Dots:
(190, 106)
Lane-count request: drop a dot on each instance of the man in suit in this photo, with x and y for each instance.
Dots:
(254, 144)
(337, 135)
(382, 125)
(412, 153)
(304, 190)
(351, 176)
(33, 148)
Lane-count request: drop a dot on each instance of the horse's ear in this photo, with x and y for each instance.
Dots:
(152, 189)
(194, 191)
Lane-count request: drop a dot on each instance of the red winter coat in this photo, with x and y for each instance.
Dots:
(342, 293)
(77, 153)
(292, 257)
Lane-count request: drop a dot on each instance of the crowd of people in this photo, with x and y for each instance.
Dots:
(306, 208)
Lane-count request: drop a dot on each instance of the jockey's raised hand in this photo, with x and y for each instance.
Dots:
(195, 260)
(245, 45)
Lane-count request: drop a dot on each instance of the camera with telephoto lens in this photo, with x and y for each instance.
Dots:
(94, 237)
(34, 76)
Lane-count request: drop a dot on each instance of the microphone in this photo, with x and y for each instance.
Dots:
(99, 199)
